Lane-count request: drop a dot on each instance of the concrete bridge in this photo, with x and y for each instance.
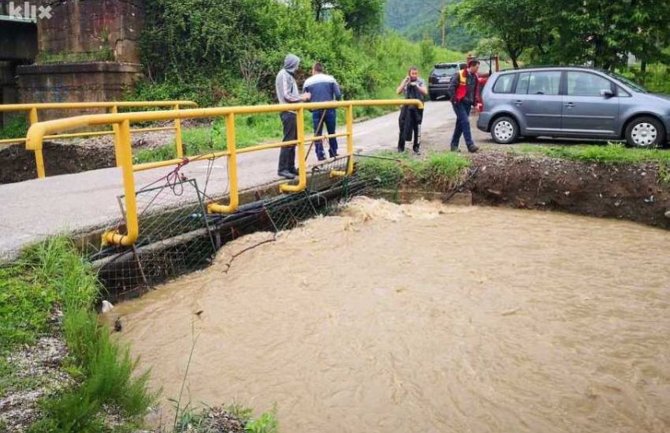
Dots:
(81, 51)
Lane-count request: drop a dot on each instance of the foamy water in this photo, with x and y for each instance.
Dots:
(425, 318)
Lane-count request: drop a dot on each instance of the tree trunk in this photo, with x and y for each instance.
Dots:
(514, 54)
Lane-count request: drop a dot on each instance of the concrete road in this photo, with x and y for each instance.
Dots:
(36, 209)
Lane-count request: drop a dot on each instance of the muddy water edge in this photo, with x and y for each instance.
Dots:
(425, 318)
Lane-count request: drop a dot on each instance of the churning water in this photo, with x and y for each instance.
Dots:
(425, 318)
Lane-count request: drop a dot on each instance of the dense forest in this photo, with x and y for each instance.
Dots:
(229, 51)
(603, 33)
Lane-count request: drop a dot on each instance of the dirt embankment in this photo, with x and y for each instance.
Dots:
(631, 192)
(18, 164)
(72, 156)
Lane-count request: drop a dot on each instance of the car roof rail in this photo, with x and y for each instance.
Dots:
(448, 64)
(586, 68)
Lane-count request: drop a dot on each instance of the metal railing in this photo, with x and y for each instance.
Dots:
(122, 121)
(113, 108)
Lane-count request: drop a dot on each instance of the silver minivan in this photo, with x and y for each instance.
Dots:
(572, 102)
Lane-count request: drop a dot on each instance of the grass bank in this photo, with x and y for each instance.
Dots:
(391, 170)
(606, 154)
(610, 154)
(51, 290)
(49, 293)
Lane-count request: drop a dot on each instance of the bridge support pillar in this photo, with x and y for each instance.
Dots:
(87, 51)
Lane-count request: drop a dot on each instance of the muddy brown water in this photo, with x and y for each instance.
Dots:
(425, 318)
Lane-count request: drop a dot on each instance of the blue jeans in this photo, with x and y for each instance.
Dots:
(331, 122)
(462, 110)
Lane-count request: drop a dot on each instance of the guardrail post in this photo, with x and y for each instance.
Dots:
(350, 138)
(349, 119)
(178, 138)
(115, 128)
(302, 164)
(126, 159)
(39, 156)
(232, 170)
(32, 116)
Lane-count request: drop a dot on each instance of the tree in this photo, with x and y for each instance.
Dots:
(513, 22)
(599, 32)
(427, 48)
(319, 7)
(362, 16)
(603, 33)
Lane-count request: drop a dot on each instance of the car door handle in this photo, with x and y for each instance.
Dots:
(518, 102)
(570, 105)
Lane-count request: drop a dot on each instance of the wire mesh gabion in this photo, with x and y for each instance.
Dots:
(174, 238)
(177, 236)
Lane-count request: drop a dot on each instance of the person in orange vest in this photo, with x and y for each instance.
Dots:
(463, 89)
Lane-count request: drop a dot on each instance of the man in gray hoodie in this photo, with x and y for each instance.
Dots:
(287, 93)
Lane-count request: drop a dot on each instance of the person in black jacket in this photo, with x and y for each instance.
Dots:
(410, 119)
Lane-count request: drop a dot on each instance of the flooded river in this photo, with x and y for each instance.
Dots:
(425, 318)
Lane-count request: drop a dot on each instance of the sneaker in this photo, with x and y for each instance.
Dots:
(400, 150)
(417, 152)
(321, 158)
(294, 171)
(473, 149)
(286, 174)
(455, 149)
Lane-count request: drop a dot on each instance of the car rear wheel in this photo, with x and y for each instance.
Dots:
(504, 130)
(645, 132)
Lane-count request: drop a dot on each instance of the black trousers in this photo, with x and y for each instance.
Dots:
(410, 126)
(287, 154)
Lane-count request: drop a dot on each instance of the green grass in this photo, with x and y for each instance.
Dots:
(15, 127)
(12, 380)
(441, 169)
(607, 154)
(53, 275)
(24, 308)
(388, 173)
(656, 79)
(198, 421)
(101, 55)
(266, 423)
(437, 170)
(249, 131)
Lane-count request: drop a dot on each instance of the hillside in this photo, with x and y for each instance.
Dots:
(416, 20)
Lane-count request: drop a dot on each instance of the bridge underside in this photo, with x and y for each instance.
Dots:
(18, 40)
(18, 46)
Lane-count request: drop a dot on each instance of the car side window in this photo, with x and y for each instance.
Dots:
(544, 83)
(504, 84)
(622, 93)
(586, 84)
(522, 83)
